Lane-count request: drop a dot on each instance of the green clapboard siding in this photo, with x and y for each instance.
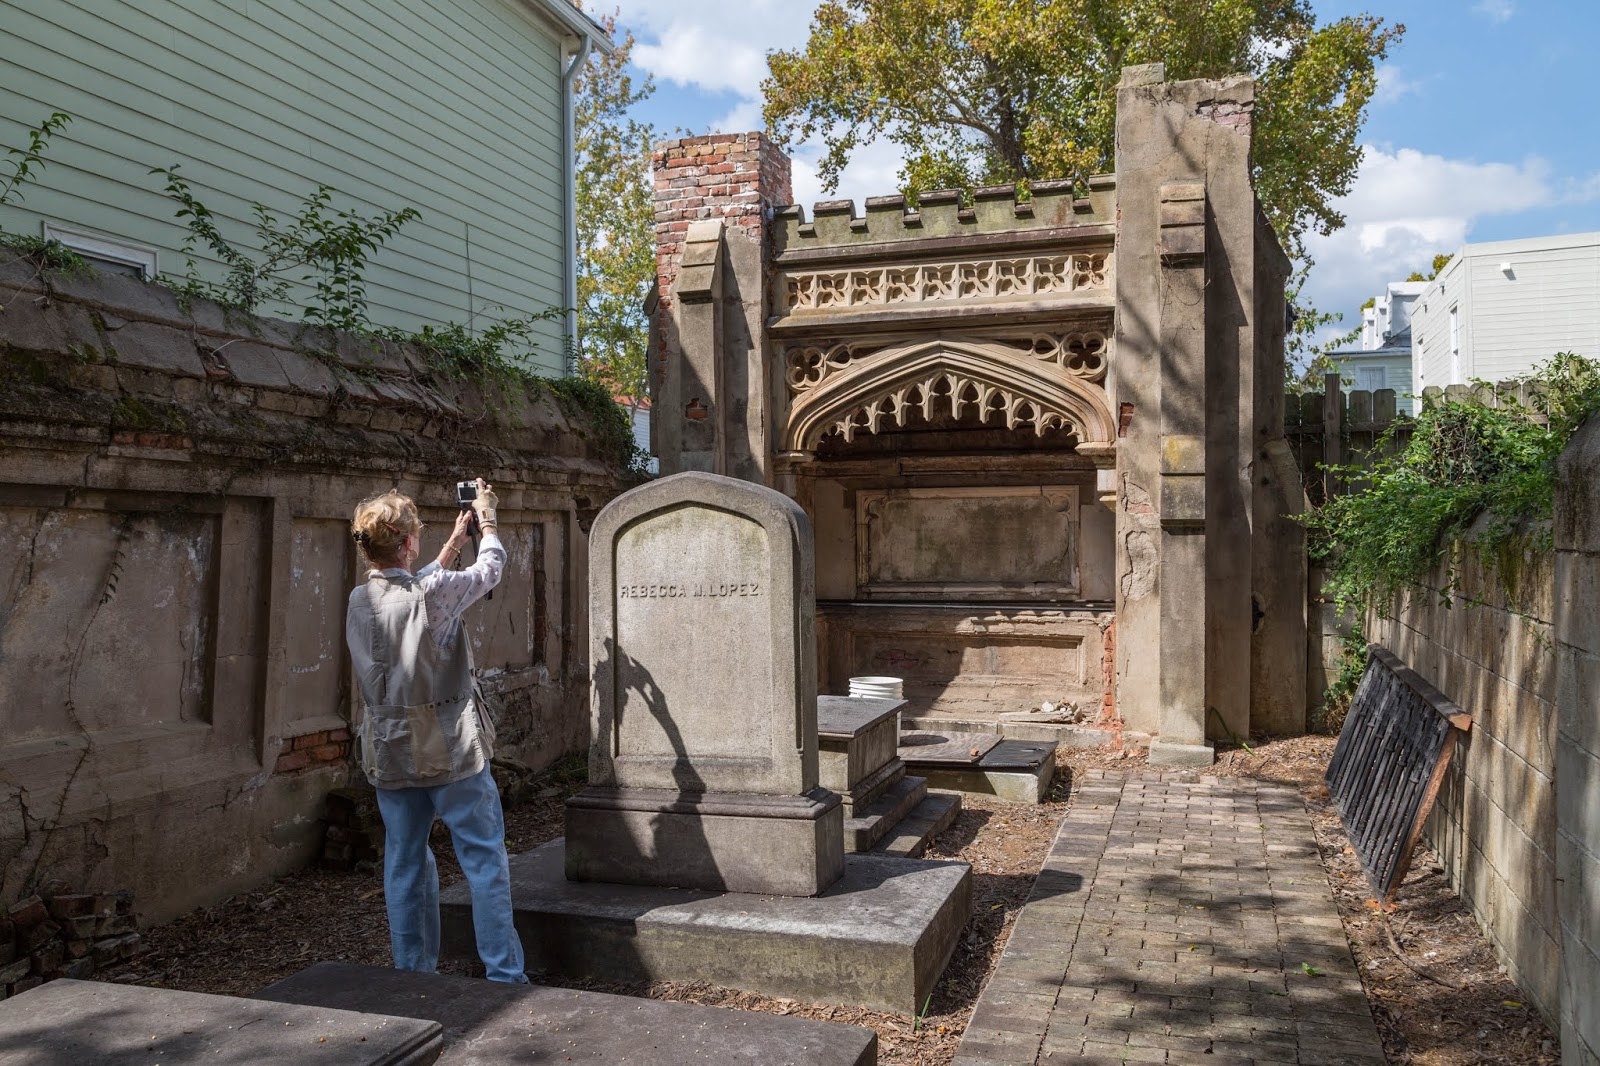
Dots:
(449, 106)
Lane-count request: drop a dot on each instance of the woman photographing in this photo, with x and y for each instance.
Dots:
(425, 739)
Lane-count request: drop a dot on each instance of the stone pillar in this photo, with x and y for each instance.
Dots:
(713, 197)
(1194, 380)
(1182, 475)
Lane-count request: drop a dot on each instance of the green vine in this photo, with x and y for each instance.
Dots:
(1487, 461)
(49, 255)
(330, 246)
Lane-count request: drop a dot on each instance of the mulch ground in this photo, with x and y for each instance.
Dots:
(1465, 1012)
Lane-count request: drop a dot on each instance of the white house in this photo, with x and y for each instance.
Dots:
(1383, 361)
(1500, 308)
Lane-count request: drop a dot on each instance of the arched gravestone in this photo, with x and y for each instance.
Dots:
(703, 757)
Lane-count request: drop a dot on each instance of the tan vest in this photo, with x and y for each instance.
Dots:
(421, 725)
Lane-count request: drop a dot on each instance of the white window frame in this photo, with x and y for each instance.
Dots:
(109, 249)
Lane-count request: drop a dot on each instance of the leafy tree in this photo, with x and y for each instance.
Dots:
(616, 220)
(983, 91)
(1440, 261)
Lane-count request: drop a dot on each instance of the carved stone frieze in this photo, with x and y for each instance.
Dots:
(1035, 382)
(1081, 353)
(972, 279)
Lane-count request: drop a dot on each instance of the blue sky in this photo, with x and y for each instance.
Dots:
(1486, 125)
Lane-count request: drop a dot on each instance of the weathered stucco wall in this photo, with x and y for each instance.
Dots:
(1494, 823)
(1577, 607)
(175, 489)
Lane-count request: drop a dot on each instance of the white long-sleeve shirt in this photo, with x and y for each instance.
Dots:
(448, 593)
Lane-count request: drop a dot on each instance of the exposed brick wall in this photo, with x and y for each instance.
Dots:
(310, 750)
(1239, 115)
(733, 176)
(1108, 672)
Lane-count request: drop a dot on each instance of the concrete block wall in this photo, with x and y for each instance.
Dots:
(1494, 823)
(1577, 845)
(175, 491)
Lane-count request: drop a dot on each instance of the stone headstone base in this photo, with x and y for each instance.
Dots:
(487, 1023)
(723, 842)
(878, 937)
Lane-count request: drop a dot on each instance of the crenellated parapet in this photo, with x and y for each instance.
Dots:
(1045, 210)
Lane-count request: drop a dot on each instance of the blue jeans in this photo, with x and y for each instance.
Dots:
(470, 809)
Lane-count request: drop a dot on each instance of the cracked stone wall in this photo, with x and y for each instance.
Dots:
(175, 484)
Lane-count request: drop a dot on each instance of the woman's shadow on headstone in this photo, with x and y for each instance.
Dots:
(632, 678)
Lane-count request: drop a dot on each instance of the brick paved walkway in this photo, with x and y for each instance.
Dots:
(1173, 922)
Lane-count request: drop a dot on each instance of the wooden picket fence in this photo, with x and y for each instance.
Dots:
(1335, 429)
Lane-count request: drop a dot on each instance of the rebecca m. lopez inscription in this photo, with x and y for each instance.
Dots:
(694, 590)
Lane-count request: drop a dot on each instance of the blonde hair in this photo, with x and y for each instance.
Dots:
(381, 525)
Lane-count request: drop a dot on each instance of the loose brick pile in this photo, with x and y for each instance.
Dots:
(311, 750)
(354, 835)
(59, 933)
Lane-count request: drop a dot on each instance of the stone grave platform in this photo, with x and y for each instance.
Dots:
(878, 937)
(981, 763)
(74, 1023)
(486, 1023)
(857, 741)
(1015, 727)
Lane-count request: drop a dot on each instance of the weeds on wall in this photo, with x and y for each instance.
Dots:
(325, 248)
(488, 356)
(25, 162)
(1489, 458)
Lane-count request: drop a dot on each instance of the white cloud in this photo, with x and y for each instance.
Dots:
(705, 45)
(873, 171)
(1393, 85)
(1495, 10)
(1406, 206)
(705, 59)
(743, 117)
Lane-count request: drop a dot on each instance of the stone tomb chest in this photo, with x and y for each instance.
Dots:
(703, 759)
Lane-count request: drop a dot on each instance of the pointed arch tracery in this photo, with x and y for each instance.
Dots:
(1001, 384)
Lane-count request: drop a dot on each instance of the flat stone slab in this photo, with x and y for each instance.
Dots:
(1019, 771)
(946, 746)
(878, 937)
(848, 716)
(75, 1023)
(487, 1023)
(1069, 735)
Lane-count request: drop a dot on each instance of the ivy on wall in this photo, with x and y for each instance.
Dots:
(1486, 461)
(327, 248)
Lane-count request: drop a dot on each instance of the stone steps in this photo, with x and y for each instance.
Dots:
(910, 838)
(860, 834)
